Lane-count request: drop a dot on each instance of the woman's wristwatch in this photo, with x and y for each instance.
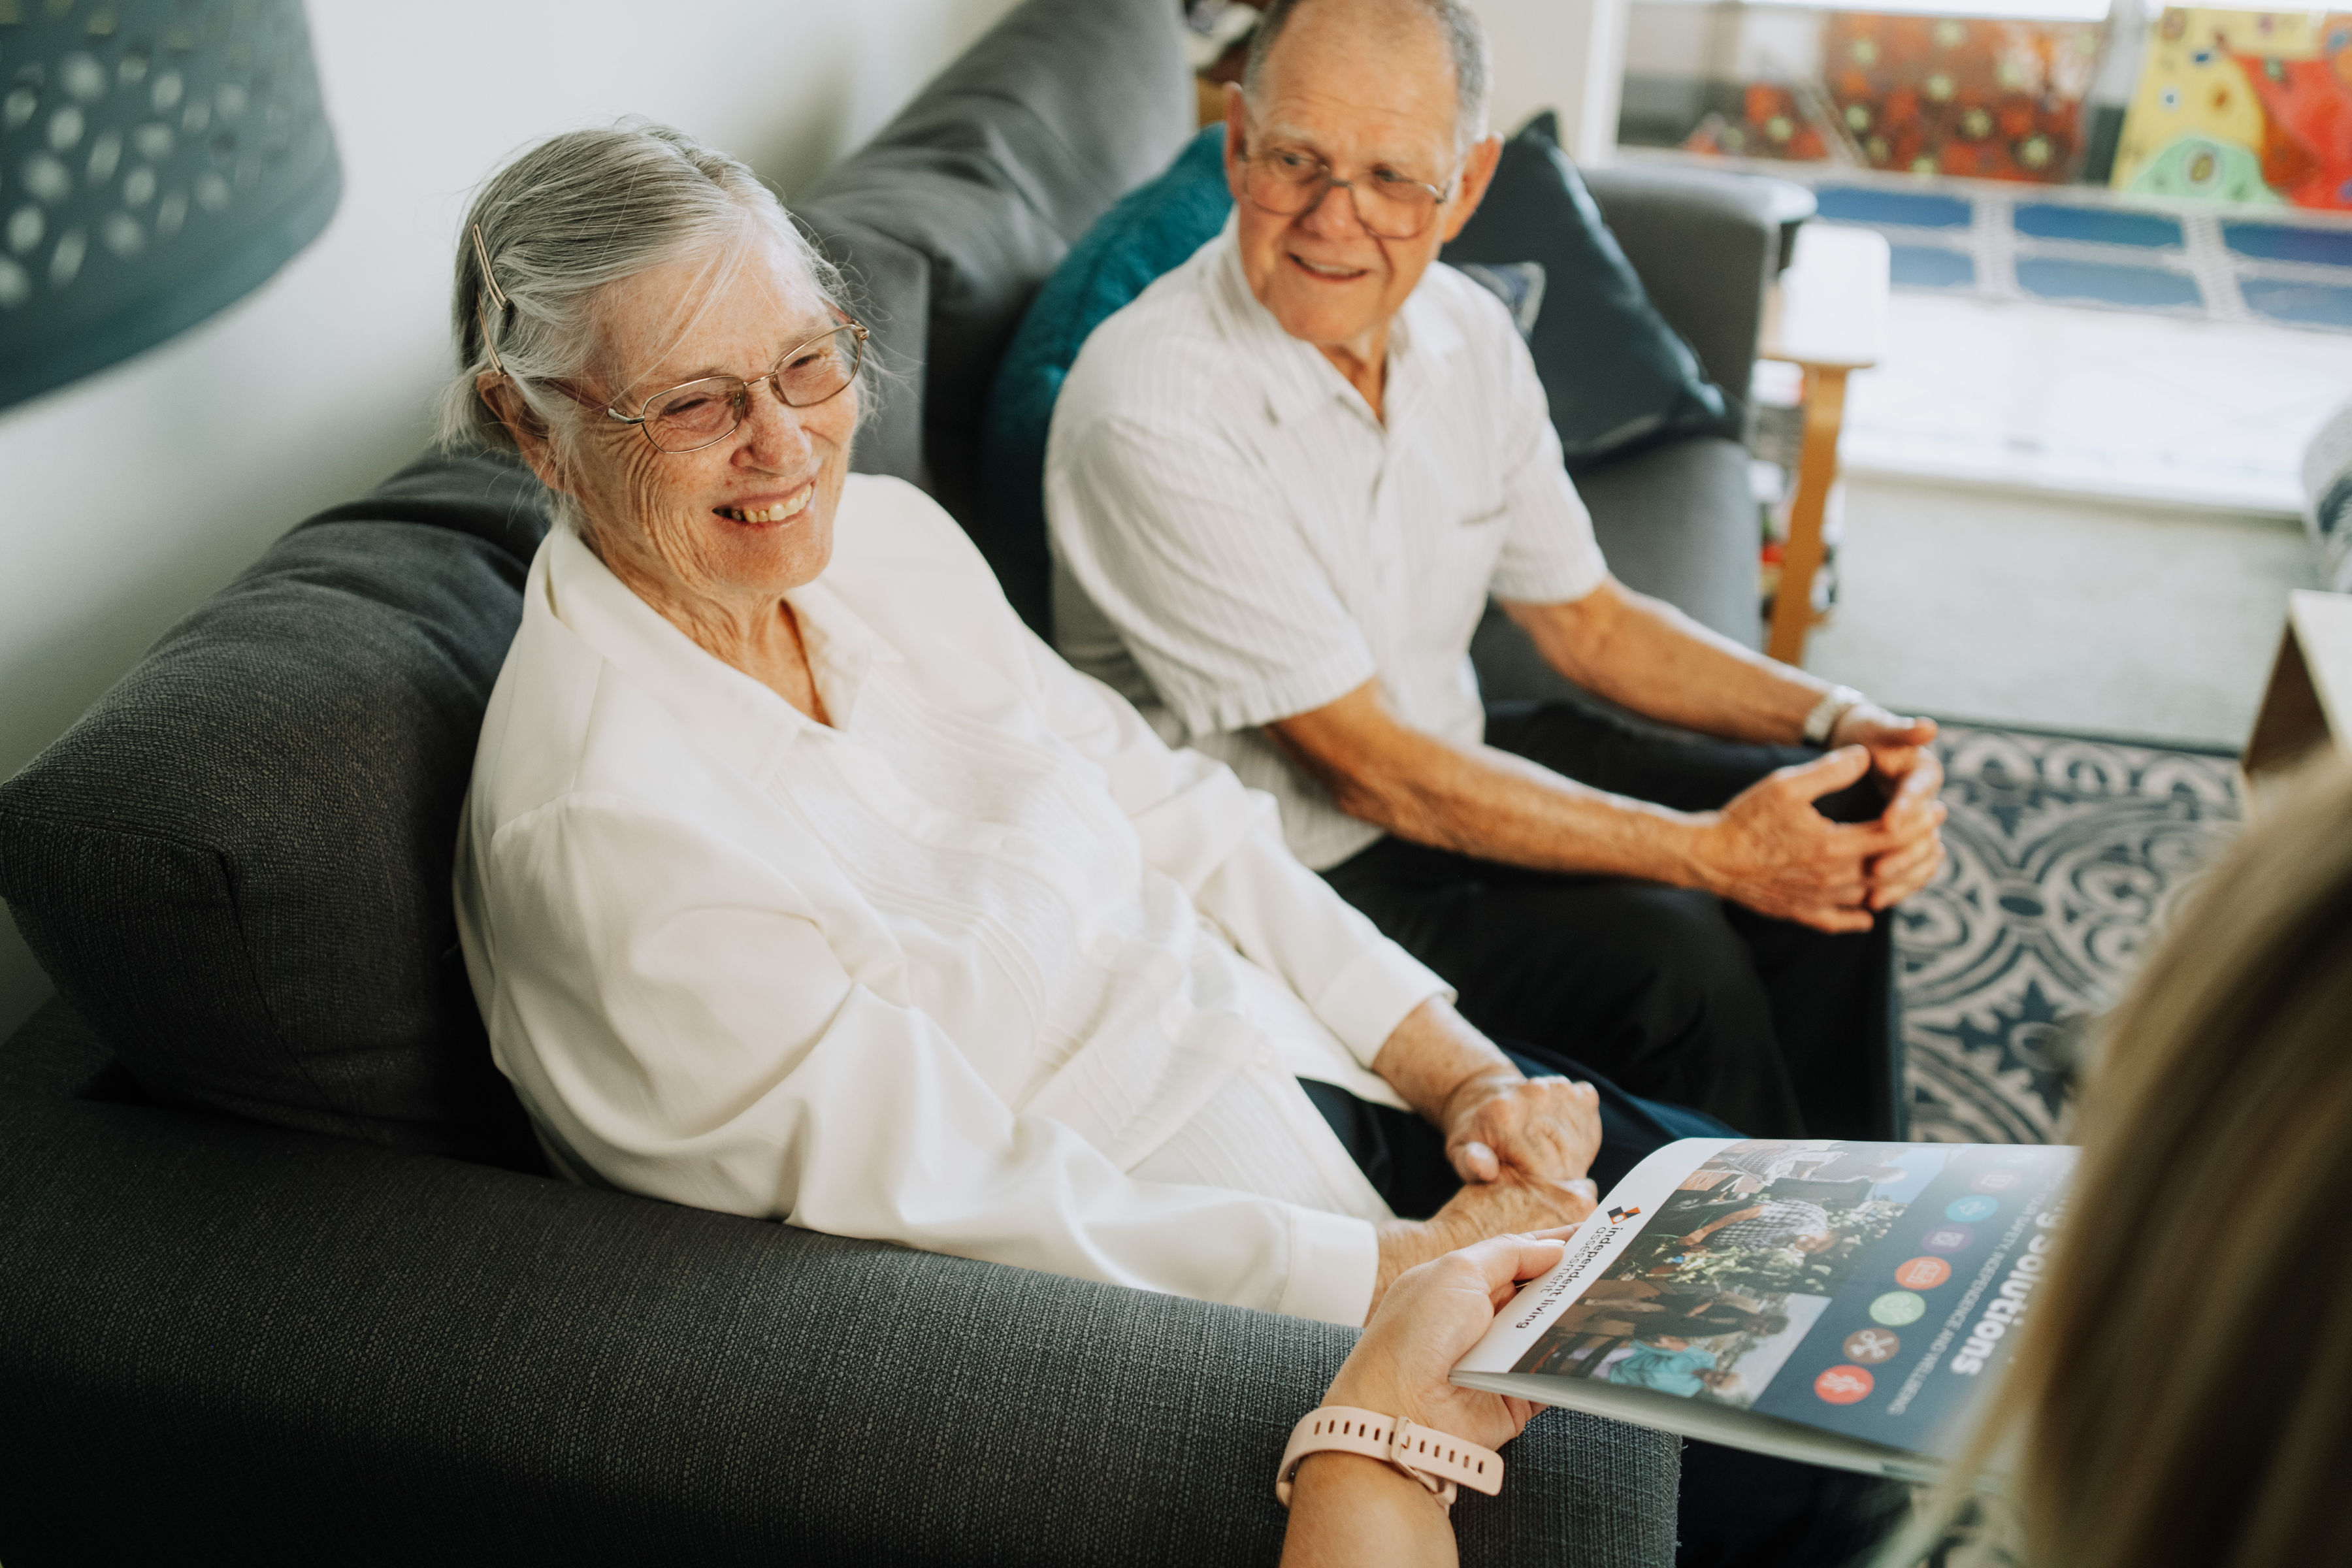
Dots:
(1436, 1460)
(1822, 722)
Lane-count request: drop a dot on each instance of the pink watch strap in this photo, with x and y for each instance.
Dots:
(1436, 1460)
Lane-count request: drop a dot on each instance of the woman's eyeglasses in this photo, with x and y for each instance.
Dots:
(703, 413)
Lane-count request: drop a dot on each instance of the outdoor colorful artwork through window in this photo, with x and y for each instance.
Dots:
(2239, 106)
(2243, 106)
(1926, 95)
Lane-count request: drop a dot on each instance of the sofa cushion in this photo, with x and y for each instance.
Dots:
(1617, 376)
(995, 170)
(1153, 229)
(236, 865)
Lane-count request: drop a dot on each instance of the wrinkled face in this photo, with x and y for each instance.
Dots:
(736, 524)
(1368, 92)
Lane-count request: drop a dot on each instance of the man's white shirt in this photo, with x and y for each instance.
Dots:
(1238, 540)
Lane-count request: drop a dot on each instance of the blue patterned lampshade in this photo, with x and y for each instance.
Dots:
(158, 160)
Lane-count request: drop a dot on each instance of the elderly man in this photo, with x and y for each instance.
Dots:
(1282, 485)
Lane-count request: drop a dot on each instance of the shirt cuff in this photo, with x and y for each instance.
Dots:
(1563, 585)
(1377, 990)
(1335, 1261)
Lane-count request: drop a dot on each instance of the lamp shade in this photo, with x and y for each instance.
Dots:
(158, 160)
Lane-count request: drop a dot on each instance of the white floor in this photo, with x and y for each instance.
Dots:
(2110, 404)
(2055, 612)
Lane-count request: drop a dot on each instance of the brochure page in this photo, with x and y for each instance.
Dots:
(1857, 1294)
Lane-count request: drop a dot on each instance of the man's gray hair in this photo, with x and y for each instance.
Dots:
(568, 217)
(1466, 42)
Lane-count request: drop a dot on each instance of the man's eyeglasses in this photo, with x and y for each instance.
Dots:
(703, 413)
(1289, 181)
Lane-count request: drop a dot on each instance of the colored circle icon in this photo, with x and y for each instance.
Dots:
(1845, 1385)
(1872, 1345)
(1948, 1238)
(1922, 1274)
(1970, 1209)
(1897, 1308)
(1997, 1181)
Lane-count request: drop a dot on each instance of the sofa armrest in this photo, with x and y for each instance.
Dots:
(323, 1350)
(1706, 243)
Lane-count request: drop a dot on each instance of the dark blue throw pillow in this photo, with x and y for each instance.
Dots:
(1155, 228)
(1618, 377)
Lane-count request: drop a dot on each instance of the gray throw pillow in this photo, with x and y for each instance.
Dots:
(236, 865)
(996, 168)
(888, 285)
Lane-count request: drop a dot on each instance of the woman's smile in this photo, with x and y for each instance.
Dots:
(762, 511)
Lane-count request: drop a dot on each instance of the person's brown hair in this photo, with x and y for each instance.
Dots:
(2182, 1391)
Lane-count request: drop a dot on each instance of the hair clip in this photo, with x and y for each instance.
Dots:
(490, 281)
(482, 319)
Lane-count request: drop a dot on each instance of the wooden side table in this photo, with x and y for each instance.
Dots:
(1828, 317)
(2308, 702)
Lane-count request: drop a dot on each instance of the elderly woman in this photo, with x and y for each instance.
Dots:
(798, 880)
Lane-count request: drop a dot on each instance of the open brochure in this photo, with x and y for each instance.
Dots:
(1839, 1303)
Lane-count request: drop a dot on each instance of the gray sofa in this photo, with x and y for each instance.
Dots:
(280, 1276)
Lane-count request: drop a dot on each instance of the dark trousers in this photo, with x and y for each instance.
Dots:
(1735, 1508)
(1776, 1029)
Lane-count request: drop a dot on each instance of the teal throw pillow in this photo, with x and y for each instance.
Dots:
(1154, 229)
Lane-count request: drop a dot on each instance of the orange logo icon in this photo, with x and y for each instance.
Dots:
(1845, 1385)
(1922, 1274)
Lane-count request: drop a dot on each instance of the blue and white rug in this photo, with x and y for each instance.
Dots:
(2078, 247)
(2066, 857)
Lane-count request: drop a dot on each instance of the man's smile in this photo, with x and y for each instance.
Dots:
(1328, 272)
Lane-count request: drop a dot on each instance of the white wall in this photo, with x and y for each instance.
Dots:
(1568, 54)
(127, 499)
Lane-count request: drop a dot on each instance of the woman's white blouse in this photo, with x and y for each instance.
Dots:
(972, 970)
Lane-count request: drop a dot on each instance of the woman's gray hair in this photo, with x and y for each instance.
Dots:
(1466, 46)
(574, 215)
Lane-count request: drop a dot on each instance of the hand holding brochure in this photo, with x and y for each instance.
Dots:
(1839, 1303)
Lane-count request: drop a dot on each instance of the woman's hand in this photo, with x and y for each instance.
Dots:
(1510, 1206)
(1547, 1128)
(1347, 1511)
(1429, 1320)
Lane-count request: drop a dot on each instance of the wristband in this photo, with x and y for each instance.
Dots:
(1822, 722)
(1436, 1460)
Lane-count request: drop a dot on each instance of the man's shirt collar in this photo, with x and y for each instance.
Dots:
(1294, 378)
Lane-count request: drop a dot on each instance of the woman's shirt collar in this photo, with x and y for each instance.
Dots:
(732, 711)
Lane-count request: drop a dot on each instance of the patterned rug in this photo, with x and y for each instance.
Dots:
(2066, 856)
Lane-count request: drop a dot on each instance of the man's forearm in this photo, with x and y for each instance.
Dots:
(1643, 654)
(1480, 801)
